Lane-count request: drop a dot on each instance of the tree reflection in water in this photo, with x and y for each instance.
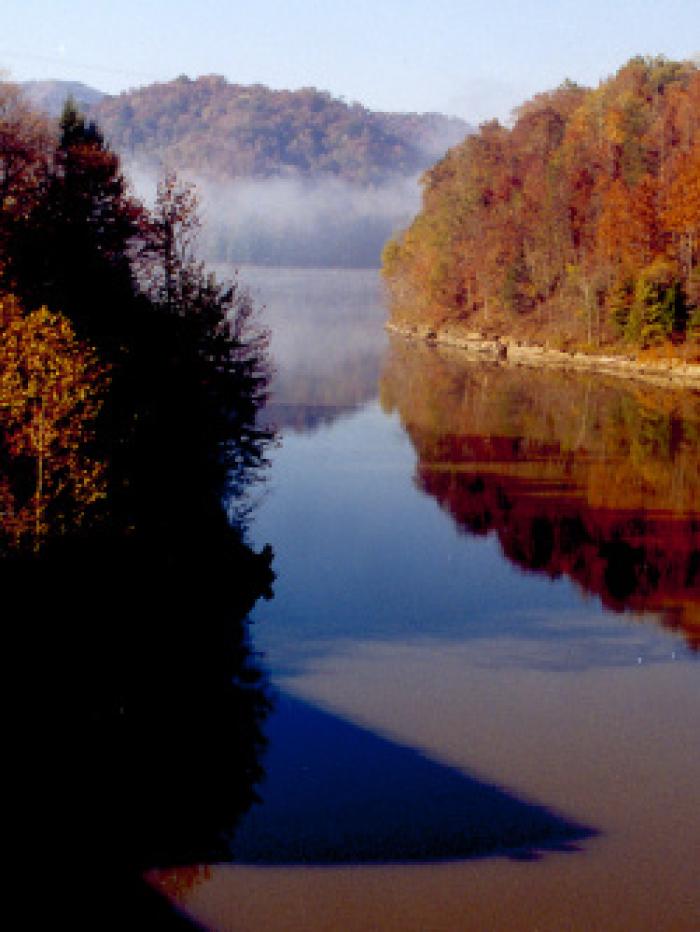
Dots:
(578, 476)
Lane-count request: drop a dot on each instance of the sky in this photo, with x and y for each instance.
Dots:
(477, 59)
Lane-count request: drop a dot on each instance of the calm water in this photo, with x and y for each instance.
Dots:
(483, 642)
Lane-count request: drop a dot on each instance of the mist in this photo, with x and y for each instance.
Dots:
(326, 223)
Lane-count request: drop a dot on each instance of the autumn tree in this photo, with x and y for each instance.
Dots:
(51, 390)
(682, 210)
(170, 270)
(26, 146)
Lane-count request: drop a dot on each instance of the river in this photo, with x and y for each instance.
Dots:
(482, 644)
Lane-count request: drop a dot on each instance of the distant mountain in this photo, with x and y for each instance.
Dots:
(219, 130)
(50, 96)
(222, 131)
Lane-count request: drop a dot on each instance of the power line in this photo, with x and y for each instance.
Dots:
(61, 60)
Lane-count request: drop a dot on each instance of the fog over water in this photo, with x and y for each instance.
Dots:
(286, 221)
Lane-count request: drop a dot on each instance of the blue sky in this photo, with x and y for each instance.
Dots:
(473, 58)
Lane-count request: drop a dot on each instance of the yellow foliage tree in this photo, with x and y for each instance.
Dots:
(51, 390)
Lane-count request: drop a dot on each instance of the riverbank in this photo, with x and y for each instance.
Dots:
(671, 371)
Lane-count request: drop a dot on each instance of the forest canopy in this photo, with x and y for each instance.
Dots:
(578, 226)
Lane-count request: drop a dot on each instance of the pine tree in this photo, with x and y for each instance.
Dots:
(72, 251)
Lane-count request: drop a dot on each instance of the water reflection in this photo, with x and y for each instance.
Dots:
(576, 476)
(326, 345)
(427, 669)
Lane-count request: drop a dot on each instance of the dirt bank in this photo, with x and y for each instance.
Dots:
(671, 371)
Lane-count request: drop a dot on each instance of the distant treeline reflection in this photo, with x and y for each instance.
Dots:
(577, 476)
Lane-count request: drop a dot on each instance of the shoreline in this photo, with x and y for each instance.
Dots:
(666, 372)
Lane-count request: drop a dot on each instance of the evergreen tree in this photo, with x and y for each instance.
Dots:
(72, 250)
(658, 310)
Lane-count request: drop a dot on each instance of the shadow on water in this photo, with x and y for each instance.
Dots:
(137, 730)
(138, 702)
(335, 793)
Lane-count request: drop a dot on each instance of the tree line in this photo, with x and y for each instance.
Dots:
(104, 310)
(578, 226)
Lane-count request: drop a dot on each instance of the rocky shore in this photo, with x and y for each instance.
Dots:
(671, 371)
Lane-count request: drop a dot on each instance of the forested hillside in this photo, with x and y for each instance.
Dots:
(578, 226)
(223, 131)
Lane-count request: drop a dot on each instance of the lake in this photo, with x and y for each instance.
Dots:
(482, 645)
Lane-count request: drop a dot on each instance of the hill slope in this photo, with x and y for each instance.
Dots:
(222, 131)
